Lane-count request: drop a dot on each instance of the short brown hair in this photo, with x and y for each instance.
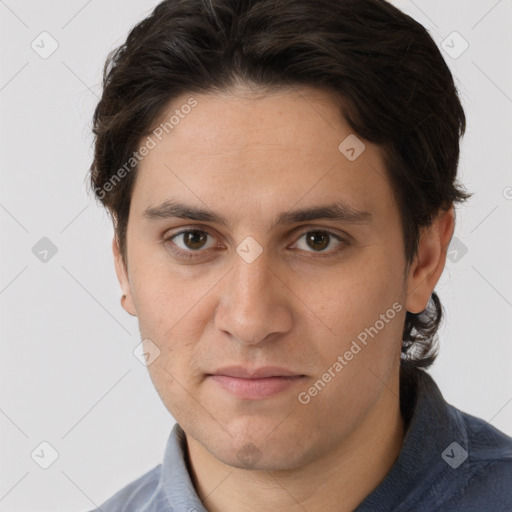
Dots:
(396, 89)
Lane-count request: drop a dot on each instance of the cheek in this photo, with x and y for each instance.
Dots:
(163, 296)
(353, 299)
(170, 387)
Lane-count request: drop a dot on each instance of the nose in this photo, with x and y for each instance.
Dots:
(254, 303)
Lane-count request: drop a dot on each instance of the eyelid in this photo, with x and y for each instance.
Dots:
(168, 235)
(183, 231)
(308, 229)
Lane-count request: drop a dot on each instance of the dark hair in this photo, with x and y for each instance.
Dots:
(394, 85)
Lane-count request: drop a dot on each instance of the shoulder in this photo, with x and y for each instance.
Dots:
(487, 443)
(488, 478)
(137, 496)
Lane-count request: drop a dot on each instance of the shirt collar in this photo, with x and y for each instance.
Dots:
(175, 478)
(432, 426)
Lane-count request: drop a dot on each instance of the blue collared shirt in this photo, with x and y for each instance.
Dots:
(449, 461)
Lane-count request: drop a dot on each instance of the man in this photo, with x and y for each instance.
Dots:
(282, 181)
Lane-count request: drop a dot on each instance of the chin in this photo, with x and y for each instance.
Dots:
(251, 457)
(260, 453)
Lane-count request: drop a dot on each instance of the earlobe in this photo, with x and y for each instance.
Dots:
(429, 262)
(122, 276)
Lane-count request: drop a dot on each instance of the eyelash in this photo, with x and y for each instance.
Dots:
(195, 254)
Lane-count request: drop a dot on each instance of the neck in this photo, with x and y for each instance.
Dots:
(339, 481)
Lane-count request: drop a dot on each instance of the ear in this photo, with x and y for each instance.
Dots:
(122, 276)
(428, 264)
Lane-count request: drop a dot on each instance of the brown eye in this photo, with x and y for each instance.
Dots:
(318, 240)
(190, 240)
(194, 239)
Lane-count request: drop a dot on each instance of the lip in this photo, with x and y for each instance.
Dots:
(256, 383)
(255, 373)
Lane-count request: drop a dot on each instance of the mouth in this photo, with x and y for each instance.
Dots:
(255, 384)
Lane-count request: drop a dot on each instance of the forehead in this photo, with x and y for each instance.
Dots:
(259, 154)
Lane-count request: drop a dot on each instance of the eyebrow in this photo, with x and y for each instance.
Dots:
(339, 211)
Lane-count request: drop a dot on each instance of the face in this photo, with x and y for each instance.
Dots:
(266, 267)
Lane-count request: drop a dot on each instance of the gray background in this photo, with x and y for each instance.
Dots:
(68, 376)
